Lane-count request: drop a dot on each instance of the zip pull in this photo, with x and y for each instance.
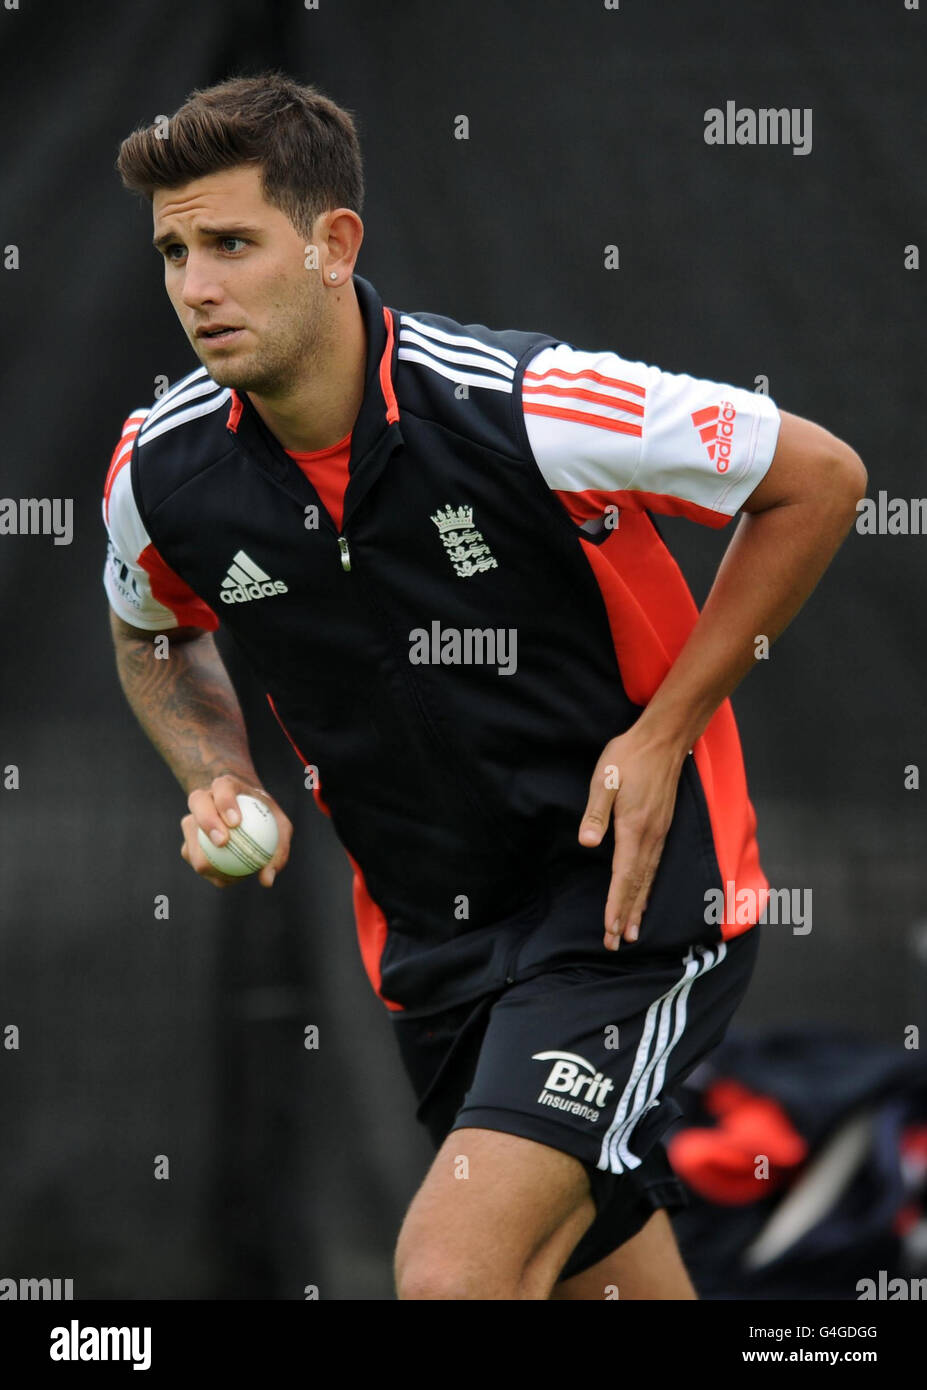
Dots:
(345, 553)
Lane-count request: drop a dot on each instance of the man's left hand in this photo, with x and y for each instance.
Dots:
(634, 784)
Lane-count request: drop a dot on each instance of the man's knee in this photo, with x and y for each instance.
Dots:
(490, 1263)
(436, 1275)
(435, 1261)
(504, 1233)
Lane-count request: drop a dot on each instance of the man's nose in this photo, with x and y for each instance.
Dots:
(200, 285)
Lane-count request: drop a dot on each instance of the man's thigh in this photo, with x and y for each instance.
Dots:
(648, 1266)
(577, 1064)
(496, 1218)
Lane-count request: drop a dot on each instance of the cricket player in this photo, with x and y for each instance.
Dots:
(436, 545)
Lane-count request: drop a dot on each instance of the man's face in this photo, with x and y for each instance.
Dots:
(232, 262)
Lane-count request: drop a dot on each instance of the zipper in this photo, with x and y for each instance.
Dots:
(437, 740)
(324, 514)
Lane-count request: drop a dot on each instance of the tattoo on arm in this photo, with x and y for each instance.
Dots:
(187, 706)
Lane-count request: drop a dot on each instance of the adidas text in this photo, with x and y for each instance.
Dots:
(243, 593)
(246, 581)
(715, 425)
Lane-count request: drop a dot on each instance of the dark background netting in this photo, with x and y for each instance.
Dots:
(184, 1037)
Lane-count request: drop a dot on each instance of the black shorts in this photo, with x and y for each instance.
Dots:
(584, 1058)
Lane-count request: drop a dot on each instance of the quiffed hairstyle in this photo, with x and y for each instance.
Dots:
(306, 145)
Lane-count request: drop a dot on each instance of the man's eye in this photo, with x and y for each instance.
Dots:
(240, 241)
(173, 252)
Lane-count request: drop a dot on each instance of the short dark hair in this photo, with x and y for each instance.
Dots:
(306, 145)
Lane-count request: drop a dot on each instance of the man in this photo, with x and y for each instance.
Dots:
(433, 542)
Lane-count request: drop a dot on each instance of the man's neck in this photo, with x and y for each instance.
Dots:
(323, 408)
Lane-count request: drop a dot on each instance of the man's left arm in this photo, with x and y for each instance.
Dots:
(795, 521)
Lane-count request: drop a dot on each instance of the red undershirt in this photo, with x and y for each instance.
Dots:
(327, 471)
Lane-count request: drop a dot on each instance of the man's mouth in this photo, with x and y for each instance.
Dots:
(219, 333)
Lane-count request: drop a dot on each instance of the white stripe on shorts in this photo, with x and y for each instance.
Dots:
(650, 1060)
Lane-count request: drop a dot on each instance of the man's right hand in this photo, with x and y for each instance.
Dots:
(214, 809)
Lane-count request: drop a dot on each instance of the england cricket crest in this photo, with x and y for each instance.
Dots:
(466, 549)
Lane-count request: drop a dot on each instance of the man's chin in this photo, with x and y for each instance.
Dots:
(228, 374)
(240, 372)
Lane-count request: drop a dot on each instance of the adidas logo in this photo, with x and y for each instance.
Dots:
(246, 580)
(715, 425)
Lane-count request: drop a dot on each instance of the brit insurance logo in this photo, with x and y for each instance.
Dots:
(573, 1084)
(715, 425)
(246, 581)
(465, 547)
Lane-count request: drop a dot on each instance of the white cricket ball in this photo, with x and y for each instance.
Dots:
(251, 844)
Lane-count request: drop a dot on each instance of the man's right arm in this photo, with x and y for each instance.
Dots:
(185, 702)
